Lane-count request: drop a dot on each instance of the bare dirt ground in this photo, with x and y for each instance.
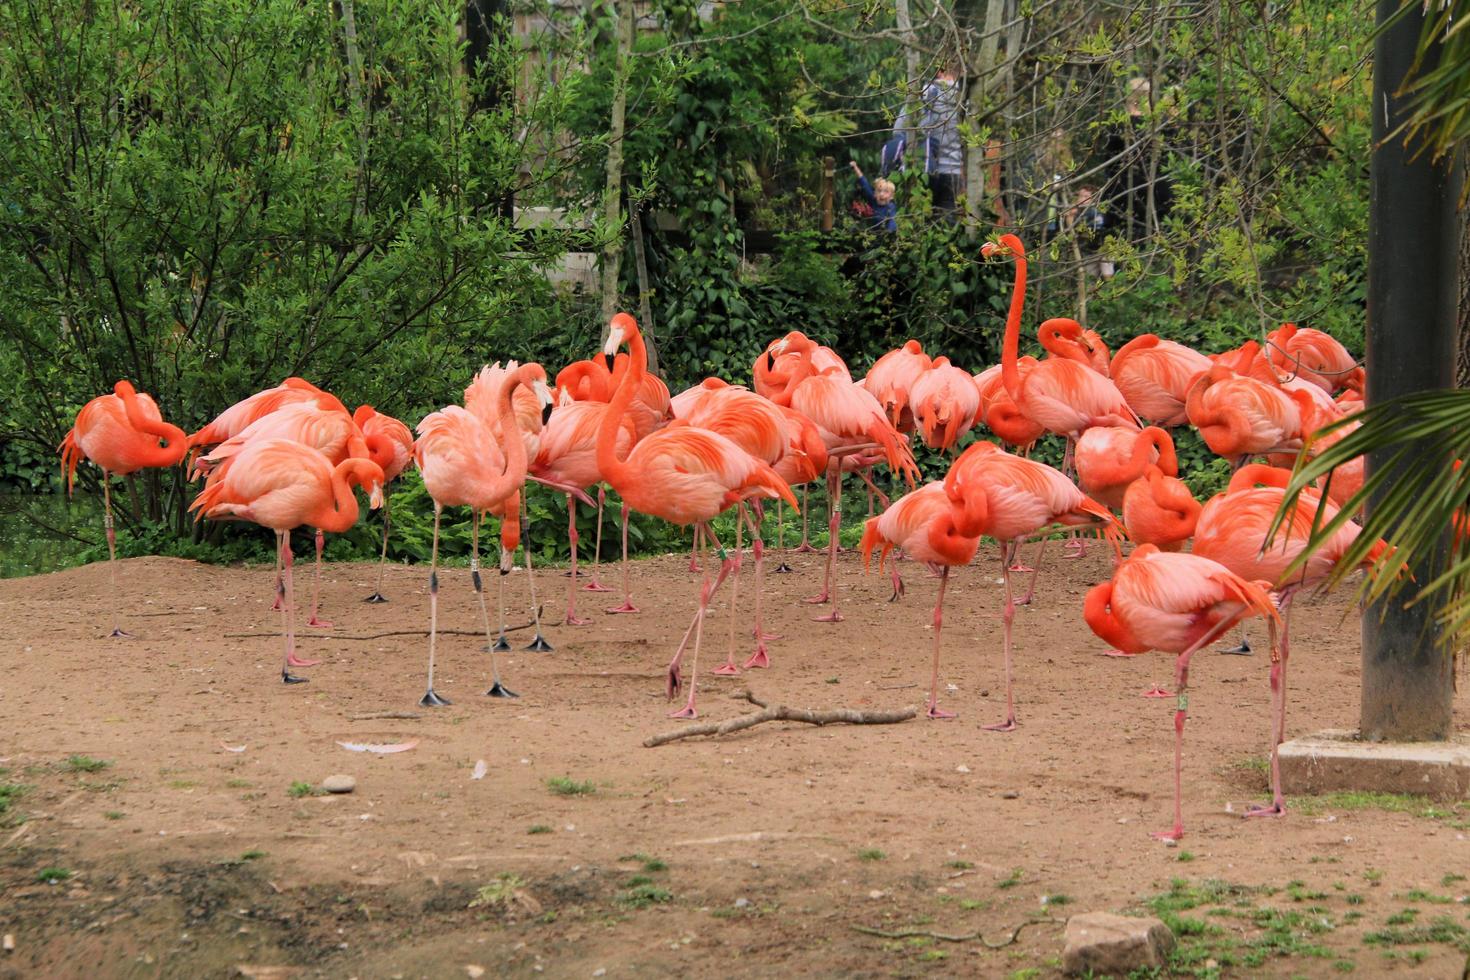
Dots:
(740, 857)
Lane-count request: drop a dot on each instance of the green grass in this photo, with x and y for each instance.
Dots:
(644, 894)
(252, 855)
(539, 828)
(1442, 930)
(301, 788)
(1420, 895)
(650, 864)
(1455, 815)
(566, 786)
(1015, 879)
(959, 865)
(9, 793)
(500, 893)
(84, 764)
(114, 814)
(871, 854)
(237, 783)
(53, 875)
(1185, 857)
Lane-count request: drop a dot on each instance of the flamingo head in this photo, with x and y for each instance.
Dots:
(619, 328)
(1007, 245)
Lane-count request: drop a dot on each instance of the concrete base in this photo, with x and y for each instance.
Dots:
(1337, 760)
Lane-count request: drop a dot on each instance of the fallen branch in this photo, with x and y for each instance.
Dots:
(375, 715)
(779, 712)
(967, 937)
(379, 636)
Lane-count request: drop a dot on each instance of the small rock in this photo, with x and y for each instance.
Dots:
(601, 971)
(1115, 945)
(875, 893)
(474, 972)
(962, 768)
(740, 903)
(339, 783)
(1010, 794)
(9, 943)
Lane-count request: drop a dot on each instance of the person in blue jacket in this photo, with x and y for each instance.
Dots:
(879, 196)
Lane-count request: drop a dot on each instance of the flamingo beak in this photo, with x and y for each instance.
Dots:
(614, 340)
(375, 496)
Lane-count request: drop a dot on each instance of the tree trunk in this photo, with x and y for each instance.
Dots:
(911, 81)
(1462, 370)
(1413, 259)
(645, 290)
(612, 211)
(984, 76)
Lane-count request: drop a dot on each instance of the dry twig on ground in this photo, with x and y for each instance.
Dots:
(779, 712)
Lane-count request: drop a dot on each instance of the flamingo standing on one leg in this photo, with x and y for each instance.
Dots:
(682, 474)
(939, 525)
(945, 403)
(282, 484)
(891, 379)
(390, 445)
(1021, 497)
(464, 464)
(804, 461)
(122, 433)
(1175, 602)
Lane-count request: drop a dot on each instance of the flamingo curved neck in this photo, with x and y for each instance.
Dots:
(341, 514)
(176, 442)
(1011, 344)
(614, 470)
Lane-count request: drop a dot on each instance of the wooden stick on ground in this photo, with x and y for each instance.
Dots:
(779, 712)
(967, 937)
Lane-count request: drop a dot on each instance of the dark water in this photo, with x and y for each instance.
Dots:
(36, 529)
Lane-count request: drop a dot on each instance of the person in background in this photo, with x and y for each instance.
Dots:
(944, 158)
(879, 195)
(1136, 172)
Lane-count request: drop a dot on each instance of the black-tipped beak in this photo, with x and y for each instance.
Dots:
(608, 361)
(770, 361)
(546, 414)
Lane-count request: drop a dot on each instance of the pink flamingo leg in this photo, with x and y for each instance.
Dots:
(595, 585)
(781, 566)
(627, 606)
(377, 595)
(1035, 570)
(834, 523)
(1008, 613)
(1019, 568)
(1181, 686)
(117, 630)
(694, 551)
(497, 689)
(316, 586)
(431, 699)
(538, 644)
(572, 538)
(706, 592)
(805, 546)
(761, 658)
(1277, 806)
(933, 710)
(728, 667)
(288, 612)
(1076, 546)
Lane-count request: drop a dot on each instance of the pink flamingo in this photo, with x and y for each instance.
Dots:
(282, 484)
(121, 433)
(944, 403)
(1020, 497)
(233, 420)
(1154, 377)
(1110, 458)
(1241, 416)
(1314, 356)
(1175, 602)
(892, 378)
(682, 474)
(463, 463)
(940, 525)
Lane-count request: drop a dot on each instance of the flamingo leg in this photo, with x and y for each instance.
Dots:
(1277, 806)
(280, 602)
(728, 667)
(805, 545)
(782, 567)
(1008, 613)
(430, 699)
(898, 589)
(539, 644)
(706, 592)
(497, 689)
(834, 522)
(1016, 565)
(627, 606)
(288, 561)
(1181, 686)
(377, 595)
(507, 559)
(1035, 570)
(572, 618)
(694, 550)
(595, 585)
(761, 657)
(117, 630)
(316, 586)
(1243, 648)
(933, 709)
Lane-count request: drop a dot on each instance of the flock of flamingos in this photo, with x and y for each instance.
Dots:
(290, 456)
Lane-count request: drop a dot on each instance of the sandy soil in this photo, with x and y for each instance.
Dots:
(757, 853)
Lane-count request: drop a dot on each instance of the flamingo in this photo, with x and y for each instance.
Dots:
(679, 473)
(1314, 356)
(282, 484)
(1154, 377)
(233, 420)
(999, 412)
(1110, 458)
(944, 403)
(1174, 602)
(805, 460)
(1158, 509)
(568, 456)
(586, 380)
(390, 445)
(1021, 497)
(850, 421)
(891, 379)
(939, 525)
(464, 463)
(330, 431)
(1241, 416)
(1234, 530)
(122, 433)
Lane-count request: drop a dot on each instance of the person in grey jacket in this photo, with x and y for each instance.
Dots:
(944, 159)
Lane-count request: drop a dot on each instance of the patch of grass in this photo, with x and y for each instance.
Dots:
(114, 814)
(651, 864)
(1441, 930)
(1373, 875)
(1455, 814)
(959, 865)
(1402, 918)
(1185, 857)
(1450, 879)
(971, 904)
(9, 793)
(1015, 879)
(252, 855)
(566, 786)
(1344, 966)
(83, 763)
(644, 895)
(1056, 900)
(1420, 895)
(237, 783)
(638, 881)
(832, 680)
(501, 893)
(301, 788)
(51, 876)
(871, 854)
(933, 956)
(182, 784)
(539, 828)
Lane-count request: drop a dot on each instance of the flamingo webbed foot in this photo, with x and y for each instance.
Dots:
(1009, 725)
(1174, 834)
(727, 669)
(539, 645)
(294, 661)
(432, 700)
(376, 597)
(1120, 654)
(595, 586)
(120, 634)
(575, 621)
(1156, 692)
(1265, 810)
(685, 712)
(1242, 650)
(817, 600)
(782, 569)
(832, 617)
(499, 690)
(935, 712)
(758, 660)
(320, 624)
(805, 549)
(1021, 569)
(501, 645)
(626, 607)
(289, 678)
